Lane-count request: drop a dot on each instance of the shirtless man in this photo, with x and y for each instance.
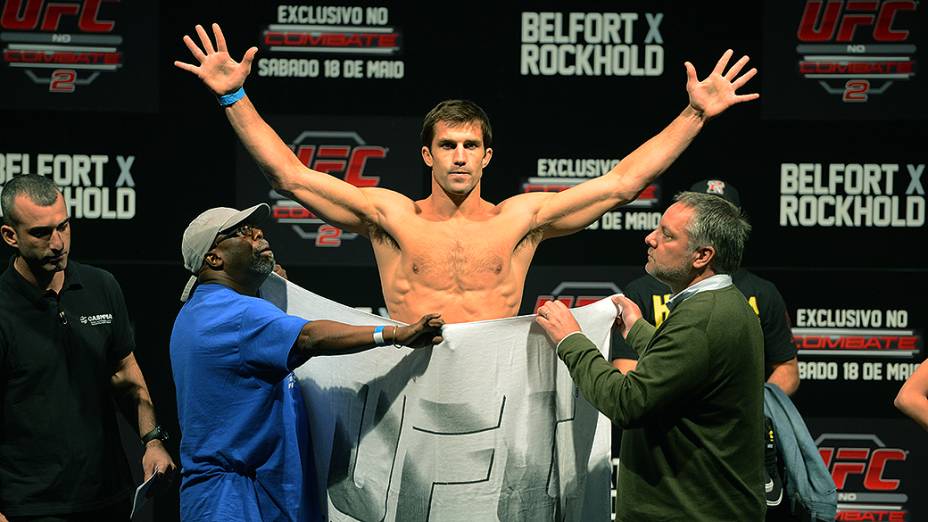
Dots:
(454, 252)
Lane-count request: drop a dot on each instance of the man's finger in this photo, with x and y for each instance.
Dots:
(186, 67)
(194, 49)
(249, 57)
(735, 69)
(204, 40)
(746, 97)
(723, 62)
(220, 39)
(690, 73)
(744, 79)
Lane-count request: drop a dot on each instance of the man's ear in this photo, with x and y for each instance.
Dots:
(213, 260)
(487, 155)
(427, 156)
(9, 235)
(703, 256)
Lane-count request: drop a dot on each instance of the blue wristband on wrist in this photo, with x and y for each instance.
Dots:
(378, 336)
(228, 99)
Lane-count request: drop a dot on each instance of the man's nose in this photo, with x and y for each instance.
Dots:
(649, 239)
(56, 242)
(460, 156)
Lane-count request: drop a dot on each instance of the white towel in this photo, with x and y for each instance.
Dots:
(486, 425)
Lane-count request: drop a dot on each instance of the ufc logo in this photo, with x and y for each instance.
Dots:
(845, 462)
(568, 300)
(342, 158)
(838, 21)
(26, 18)
(450, 453)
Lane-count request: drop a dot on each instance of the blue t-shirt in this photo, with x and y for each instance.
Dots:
(244, 448)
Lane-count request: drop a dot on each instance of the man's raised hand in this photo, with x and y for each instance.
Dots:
(217, 69)
(711, 96)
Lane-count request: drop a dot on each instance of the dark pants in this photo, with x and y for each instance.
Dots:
(115, 512)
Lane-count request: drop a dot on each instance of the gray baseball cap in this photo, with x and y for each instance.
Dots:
(202, 231)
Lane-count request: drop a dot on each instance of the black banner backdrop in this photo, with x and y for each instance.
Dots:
(92, 54)
(844, 60)
(834, 184)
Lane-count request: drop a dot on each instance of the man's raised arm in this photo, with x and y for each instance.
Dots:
(569, 211)
(337, 202)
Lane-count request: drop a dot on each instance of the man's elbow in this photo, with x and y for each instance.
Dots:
(788, 387)
(281, 181)
(306, 346)
(624, 365)
(628, 420)
(903, 401)
(786, 376)
(623, 194)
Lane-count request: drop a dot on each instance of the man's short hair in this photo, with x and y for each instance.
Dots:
(716, 222)
(456, 112)
(39, 189)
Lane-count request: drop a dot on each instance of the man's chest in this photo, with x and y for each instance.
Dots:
(70, 333)
(465, 251)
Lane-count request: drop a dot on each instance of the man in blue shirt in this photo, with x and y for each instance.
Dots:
(244, 447)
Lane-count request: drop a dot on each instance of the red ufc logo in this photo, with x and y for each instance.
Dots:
(26, 19)
(279, 212)
(860, 461)
(568, 300)
(342, 158)
(821, 21)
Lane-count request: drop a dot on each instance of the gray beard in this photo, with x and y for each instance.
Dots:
(669, 277)
(262, 265)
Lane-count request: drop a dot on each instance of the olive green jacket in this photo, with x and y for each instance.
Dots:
(692, 411)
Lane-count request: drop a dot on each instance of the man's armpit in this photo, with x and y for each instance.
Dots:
(378, 234)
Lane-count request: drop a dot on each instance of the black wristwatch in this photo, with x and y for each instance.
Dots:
(154, 434)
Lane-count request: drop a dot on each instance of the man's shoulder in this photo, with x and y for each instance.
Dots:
(727, 308)
(718, 301)
(211, 304)
(720, 313)
(6, 283)
(752, 284)
(215, 297)
(522, 204)
(390, 201)
(90, 273)
(525, 198)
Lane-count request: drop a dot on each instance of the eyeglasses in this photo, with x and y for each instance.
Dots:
(246, 231)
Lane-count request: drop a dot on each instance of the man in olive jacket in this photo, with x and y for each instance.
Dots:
(692, 411)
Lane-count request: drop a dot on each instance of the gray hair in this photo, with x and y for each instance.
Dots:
(41, 190)
(718, 223)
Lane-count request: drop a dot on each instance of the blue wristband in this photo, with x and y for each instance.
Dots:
(378, 336)
(228, 99)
